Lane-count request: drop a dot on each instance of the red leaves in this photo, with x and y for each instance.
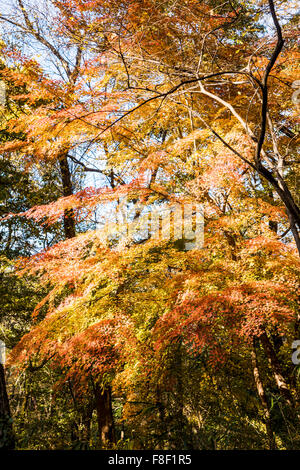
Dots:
(237, 314)
(85, 200)
(93, 352)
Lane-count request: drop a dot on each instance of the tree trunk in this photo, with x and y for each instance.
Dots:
(104, 415)
(180, 436)
(87, 417)
(262, 396)
(276, 370)
(7, 440)
(286, 197)
(69, 221)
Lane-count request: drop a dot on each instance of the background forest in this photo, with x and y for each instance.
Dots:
(116, 339)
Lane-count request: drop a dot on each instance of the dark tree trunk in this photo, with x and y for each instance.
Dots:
(7, 440)
(104, 415)
(69, 221)
(285, 195)
(180, 437)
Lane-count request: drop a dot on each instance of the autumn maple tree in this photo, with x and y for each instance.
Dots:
(119, 109)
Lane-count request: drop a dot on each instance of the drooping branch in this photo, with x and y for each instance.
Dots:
(264, 83)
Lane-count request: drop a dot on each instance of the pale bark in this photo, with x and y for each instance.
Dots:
(262, 396)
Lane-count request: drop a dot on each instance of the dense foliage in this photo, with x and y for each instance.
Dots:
(119, 338)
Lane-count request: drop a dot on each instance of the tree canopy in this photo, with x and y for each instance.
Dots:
(114, 114)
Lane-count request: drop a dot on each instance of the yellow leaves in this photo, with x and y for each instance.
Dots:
(12, 146)
(185, 142)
